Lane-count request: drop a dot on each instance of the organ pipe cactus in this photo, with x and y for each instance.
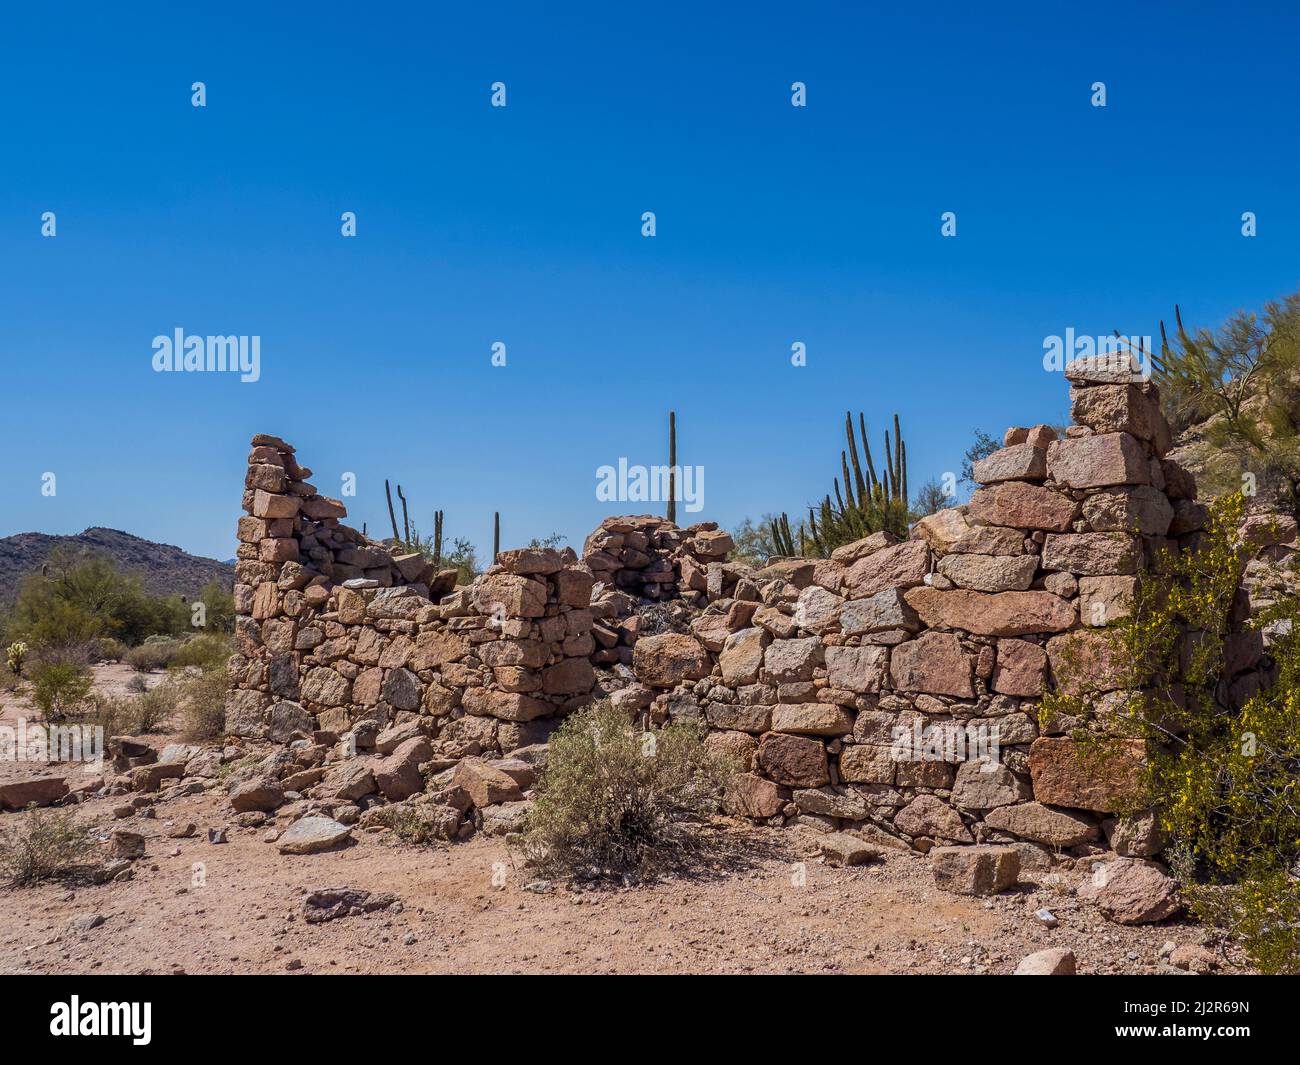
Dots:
(863, 503)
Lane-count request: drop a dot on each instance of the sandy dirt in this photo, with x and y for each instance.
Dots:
(769, 904)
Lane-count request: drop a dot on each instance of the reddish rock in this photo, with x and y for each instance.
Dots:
(508, 706)
(1093, 554)
(997, 614)
(795, 761)
(975, 870)
(1019, 462)
(664, 661)
(485, 784)
(573, 676)
(573, 586)
(1086, 662)
(901, 566)
(1104, 777)
(262, 794)
(1103, 600)
(1140, 509)
(990, 573)
(398, 775)
(866, 763)
(927, 815)
(512, 594)
(434, 648)
(39, 791)
(942, 529)
(787, 661)
(1034, 821)
(529, 560)
(1098, 461)
(749, 795)
(934, 662)
(856, 669)
(1131, 891)
(742, 656)
(813, 719)
(1122, 408)
(1022, 506)
(1021, 668)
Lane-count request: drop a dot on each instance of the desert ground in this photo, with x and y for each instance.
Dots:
(767, 903)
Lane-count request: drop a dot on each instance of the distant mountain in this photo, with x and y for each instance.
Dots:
(162, 567)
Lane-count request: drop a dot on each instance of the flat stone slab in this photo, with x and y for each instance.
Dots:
(313, 834)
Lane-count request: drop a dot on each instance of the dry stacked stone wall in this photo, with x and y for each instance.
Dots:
(892, 689)
(336, 634)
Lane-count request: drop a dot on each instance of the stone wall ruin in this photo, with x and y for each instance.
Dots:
(891, 689)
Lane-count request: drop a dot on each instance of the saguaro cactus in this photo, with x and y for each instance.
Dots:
(496, 534)
(672, 466)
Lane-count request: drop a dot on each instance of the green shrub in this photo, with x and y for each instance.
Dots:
(219, 604)
(59, 624)
(60, 690)
(203, 706)
(615, 799)
(77, 597)
(209, 651)
(108, 649)
(153, 707)
(45, 844)
(149, 657)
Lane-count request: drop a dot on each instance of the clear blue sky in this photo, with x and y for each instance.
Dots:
(522, 224)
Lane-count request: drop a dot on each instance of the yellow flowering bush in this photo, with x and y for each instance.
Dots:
(1224, 761)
